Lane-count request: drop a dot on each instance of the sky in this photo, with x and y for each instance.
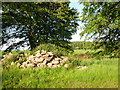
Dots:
(79, 7)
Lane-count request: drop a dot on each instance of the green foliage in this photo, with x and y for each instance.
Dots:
(36, 23)
(1, 54)
(57, 50)
(104, 72)
(98, 72)
(81, 45)
(82, 62)
(116, 53)
(101, 21)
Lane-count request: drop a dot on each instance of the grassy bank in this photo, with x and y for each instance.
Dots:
(101, 73)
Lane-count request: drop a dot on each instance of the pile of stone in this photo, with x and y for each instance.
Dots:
(21, 56)
(43, 59)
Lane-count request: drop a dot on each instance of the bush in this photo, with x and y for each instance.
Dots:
(57, 50)
(76, 61)
(115, 53)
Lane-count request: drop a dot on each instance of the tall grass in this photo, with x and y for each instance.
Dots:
(99, 74)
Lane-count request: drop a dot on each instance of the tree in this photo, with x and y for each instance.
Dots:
(36, 23)
(101, 21)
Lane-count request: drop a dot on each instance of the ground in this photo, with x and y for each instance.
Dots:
(101, 73)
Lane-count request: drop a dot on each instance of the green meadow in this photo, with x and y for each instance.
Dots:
(59, 44)
(101, 73)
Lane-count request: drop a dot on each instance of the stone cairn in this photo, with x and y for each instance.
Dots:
(43, 59)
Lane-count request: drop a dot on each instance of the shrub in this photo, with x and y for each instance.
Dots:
(115, 53)
(57, 50)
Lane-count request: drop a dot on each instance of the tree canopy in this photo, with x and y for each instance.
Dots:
(38, 22)
(101, 21)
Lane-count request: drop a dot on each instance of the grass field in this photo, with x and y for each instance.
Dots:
(101, 73)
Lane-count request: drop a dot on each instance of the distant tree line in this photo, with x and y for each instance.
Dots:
(81, 45)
